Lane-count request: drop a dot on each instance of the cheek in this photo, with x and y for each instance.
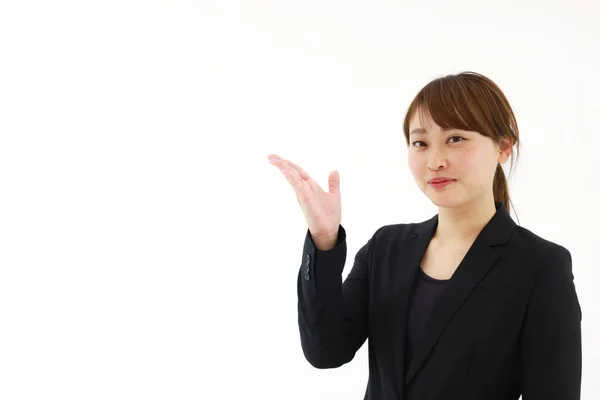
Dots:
(470, 155)
(476, 163)
(470, 161)
(415, 164)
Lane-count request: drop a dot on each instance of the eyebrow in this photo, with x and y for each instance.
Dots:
(421, 130)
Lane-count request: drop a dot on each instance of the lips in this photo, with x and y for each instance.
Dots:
(440, 180)
(440, 183)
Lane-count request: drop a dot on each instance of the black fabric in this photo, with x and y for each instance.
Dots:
(425, 293)
(507, 323)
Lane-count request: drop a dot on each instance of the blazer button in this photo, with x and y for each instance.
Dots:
(305, 275)
(306, 268)
(307, 259)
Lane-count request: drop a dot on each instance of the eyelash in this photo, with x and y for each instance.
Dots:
(420, 141)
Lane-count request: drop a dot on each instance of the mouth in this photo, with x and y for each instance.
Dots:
(440, 184)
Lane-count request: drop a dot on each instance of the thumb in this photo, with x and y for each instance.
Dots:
(334, 182)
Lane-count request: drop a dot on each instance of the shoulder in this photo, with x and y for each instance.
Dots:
(396, 231)
(537, 247)
(538, 260)
(550, 267)
(389, 236)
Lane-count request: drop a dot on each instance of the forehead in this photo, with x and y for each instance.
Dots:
(423, 120)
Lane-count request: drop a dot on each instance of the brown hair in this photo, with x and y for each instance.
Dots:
(470, 101)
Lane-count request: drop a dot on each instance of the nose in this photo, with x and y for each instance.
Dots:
(437, 159)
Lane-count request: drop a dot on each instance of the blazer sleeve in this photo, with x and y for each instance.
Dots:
(551, 341)
(332, 315)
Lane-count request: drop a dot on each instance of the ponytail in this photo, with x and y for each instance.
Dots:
(501, 194)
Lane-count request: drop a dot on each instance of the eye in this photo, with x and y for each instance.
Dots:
(453, 137)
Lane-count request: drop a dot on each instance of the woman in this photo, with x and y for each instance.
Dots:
(465, 305)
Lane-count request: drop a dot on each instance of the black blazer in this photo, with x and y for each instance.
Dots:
(508, 322)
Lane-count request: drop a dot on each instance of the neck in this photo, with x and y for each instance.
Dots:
(463, 223)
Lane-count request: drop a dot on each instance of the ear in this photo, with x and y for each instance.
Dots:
(504, 150)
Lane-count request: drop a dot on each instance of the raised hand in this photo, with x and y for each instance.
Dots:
(322, 210)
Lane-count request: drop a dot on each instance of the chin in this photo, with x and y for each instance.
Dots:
(445, 200)
(445, 203)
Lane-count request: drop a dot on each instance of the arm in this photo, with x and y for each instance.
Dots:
(551, 341)
(332, 316)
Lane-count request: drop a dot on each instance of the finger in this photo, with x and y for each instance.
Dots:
(292, 175)
(273, 159)
(334, 182)
(302, 173)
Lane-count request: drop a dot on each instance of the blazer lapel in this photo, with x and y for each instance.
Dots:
(407, 258)
(480, 257)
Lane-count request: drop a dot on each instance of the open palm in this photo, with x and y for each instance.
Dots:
(322, 210)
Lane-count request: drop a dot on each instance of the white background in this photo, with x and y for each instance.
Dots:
(148, 250)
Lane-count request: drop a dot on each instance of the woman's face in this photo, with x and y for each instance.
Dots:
(466, 157)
